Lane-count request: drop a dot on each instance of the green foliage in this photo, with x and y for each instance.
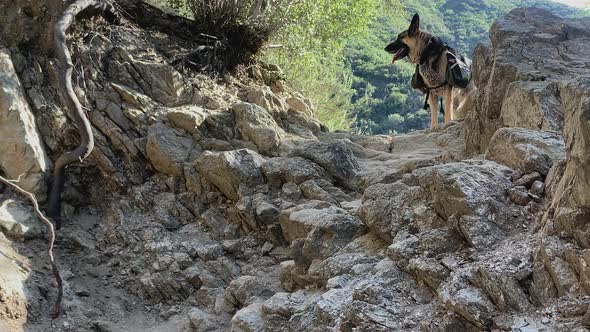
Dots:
(313, 42)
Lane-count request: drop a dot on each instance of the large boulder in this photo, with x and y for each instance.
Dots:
(255, 124)
(526, 150)
(324, 228)
(266, 99)
(22, 154)
(231, 170)
(189, 118)
(335, 156)
(467, 198)
(532, 105)
(168, 150)
(281, 170)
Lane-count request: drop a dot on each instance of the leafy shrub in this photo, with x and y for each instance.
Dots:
(243, 26)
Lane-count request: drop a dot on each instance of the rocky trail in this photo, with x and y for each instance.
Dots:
(223, 204)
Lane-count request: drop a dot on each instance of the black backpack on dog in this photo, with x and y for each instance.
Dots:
(458, 71)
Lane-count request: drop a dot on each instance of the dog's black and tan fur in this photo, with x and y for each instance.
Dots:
(430, 54)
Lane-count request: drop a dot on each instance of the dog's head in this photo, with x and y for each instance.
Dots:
(410, 43)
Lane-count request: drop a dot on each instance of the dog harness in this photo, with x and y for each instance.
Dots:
(426, 105)
(435, 46)
(458, 71)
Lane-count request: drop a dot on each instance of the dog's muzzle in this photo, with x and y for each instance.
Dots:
(398, 49)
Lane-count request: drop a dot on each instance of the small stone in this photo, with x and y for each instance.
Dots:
(545, 320)
(267, 213)
(200, 320)
(167, 314)
(100, 326)
(292, 191)
(232, 246)
(516, 175)
(519, 196)
(538, 188)
(266, 248)
(528, 180)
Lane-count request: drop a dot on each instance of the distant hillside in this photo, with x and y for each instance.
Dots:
(384, 102)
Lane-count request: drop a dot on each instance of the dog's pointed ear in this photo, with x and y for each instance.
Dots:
(414, 26)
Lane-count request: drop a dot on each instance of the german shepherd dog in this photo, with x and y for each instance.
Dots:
(429, 53)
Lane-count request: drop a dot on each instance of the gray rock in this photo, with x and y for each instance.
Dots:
(570, 196)
(246, 290)
(538, 188)
(283, 304)
(158, 79)
(428, 270)
(518, 77)
(532, 105)
(255, 124)
(292, 191)
(188, 118)
(381, 208)
(403, 248)
(479, 232)
(526, 150)
(467, 301)
(313, 190)
(325, 229)
(229, 171)
(167, 151)
(336, 157)
(201, 321)
(266, 213)
(18, 221)
(291, 169)
(193, 276)
(467, 188)
(527, 180)
(266, 99)
(519, 196)
(22, 152)
(248, 319)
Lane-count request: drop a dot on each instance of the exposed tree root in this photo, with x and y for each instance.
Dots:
(72, 103)
(51, 241)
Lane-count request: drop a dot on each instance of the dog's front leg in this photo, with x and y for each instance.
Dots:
(433, 102)
(449, 111)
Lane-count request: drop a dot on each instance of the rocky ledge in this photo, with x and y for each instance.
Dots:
(216, 205)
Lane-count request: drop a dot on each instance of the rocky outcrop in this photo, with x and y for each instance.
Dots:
(520, 74)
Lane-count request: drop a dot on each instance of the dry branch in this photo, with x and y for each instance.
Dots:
(72, 103)
(51, 240)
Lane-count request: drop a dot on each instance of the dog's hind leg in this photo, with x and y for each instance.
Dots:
(449, 111)
(433, 102)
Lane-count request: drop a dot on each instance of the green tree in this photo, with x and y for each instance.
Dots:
(312, 55)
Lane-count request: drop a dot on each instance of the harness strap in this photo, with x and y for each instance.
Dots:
(428, 95)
